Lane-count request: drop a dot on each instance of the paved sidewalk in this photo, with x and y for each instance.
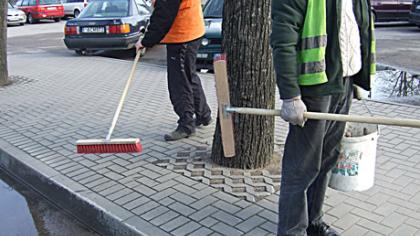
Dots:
(61, 99)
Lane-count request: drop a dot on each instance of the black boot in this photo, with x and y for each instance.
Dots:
(321, 229)
(177, 134)
(204, 122)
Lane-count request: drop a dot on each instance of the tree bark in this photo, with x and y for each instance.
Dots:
(3, 43)
(246, 30)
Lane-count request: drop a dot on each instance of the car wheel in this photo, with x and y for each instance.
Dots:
(57, 19)
(76, 13)
(22, 24)
(80, 52)
(31, 20)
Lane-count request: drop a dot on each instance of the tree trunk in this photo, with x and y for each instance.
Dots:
(246, 30)
(3, 43)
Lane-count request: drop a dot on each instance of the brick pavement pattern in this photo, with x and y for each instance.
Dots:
(64, 98)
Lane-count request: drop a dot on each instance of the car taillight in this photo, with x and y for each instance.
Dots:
(71, 30)
(118, 29)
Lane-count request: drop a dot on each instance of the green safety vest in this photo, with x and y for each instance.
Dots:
(313, 43)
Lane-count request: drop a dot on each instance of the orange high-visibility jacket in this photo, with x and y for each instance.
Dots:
(188, 24)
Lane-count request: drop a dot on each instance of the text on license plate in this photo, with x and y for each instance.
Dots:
(93, 30)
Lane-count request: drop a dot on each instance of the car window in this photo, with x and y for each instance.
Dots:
(214, 9)
(25, 2)
(49, 2)
(9, 6)
(32, 3)
(106, 8)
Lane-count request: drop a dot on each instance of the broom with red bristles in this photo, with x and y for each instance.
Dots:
(109, 145)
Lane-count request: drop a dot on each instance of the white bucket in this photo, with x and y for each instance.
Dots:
(355, 169)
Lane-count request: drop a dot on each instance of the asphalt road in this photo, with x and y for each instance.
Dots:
(397, 44)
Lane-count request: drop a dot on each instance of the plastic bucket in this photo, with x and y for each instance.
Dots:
(355, 169)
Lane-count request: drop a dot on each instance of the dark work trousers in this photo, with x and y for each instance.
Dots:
(310, 153)
(185, 90)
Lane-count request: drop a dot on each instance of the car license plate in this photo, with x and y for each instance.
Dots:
(202, 55)
(51, 8)
(93, 30)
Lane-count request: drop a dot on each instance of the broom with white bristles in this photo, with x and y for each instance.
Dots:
(109, 145)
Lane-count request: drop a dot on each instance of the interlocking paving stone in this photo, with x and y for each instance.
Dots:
(167, 201)
(201, 232)
(182, 209)
(405, 230)
(209, 221)
(346, 222)
(127, 198)
(119, 194)
(269, 215)
(137, 202)
(143, 189)
(175, 223)
(203, 213)
(257, 232)
(248, 212)
(186, 229)
(183, 198)
(145, 208)
(250, 223)
(163, 194)
(169, 215)
(355, 230)
(206, 201)
(146, 227)
(226, 218)
(154, 213)
(225, 229)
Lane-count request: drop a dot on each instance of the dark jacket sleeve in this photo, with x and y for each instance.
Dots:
(161, 21)
(287, 22)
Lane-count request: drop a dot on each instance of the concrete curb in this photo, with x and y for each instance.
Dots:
(97, 212)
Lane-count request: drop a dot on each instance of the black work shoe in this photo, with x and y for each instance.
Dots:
(321, 229)
(204, 122)
(177, 135)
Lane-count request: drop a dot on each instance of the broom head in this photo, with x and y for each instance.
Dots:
(109, 146)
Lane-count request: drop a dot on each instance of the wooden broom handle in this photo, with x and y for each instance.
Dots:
(122, 99)
(335, 117)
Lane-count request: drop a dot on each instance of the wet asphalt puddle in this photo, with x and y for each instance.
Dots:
(24, 212)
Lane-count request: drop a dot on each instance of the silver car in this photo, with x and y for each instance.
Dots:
(74, 7)
(15, 16)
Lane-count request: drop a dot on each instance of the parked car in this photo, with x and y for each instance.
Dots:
(15, 16)
(41, 9)
(415, 13)
(74, 7)
(391, 10)
(211, 43)
(107, 25)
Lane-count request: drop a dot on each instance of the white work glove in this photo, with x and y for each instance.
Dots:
(292, 111)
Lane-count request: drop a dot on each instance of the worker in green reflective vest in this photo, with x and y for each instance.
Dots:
(321, 49)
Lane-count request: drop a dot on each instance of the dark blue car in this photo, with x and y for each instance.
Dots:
(108, 25)
(212, 41)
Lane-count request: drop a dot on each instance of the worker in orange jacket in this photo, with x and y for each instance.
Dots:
(179, 24)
